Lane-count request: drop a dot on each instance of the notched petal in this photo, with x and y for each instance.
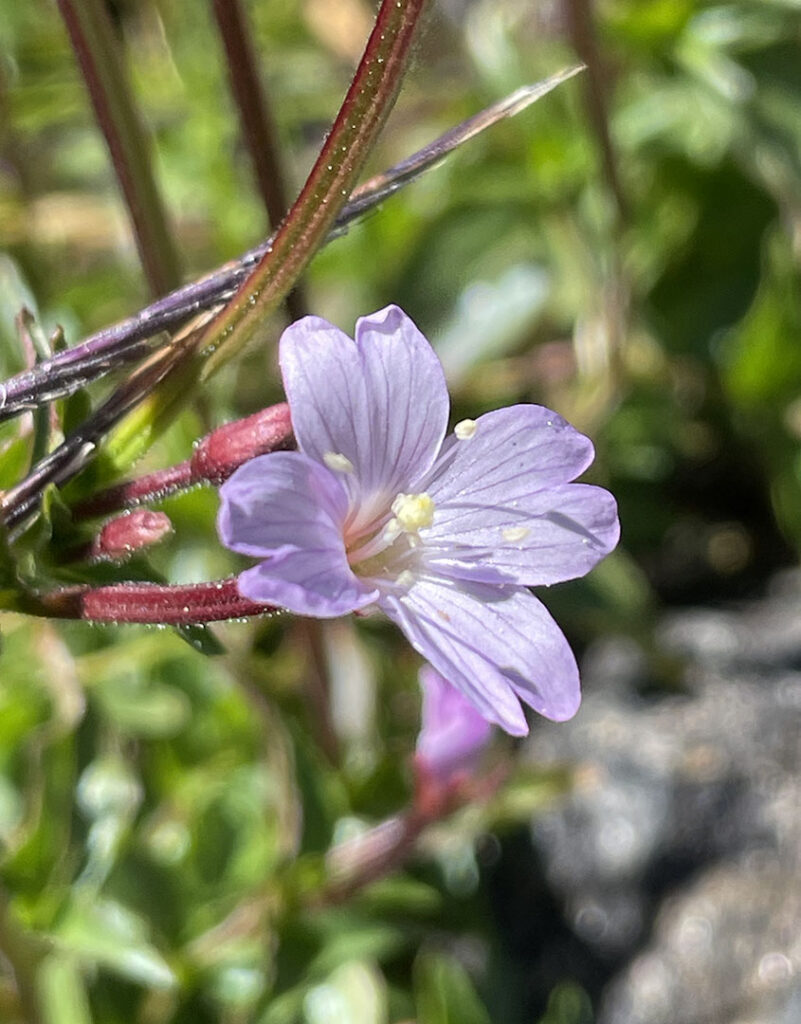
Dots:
(494, 644)
(378, 404)
(511, 452)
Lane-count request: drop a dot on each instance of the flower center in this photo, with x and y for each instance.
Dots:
(388, 549)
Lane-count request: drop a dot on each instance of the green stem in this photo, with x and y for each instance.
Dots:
(101, 62)
(24, 954)
(361, 117)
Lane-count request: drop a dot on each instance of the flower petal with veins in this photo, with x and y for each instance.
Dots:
(443, 534)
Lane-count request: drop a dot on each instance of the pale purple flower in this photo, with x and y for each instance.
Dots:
(452, 733)
(444, 534)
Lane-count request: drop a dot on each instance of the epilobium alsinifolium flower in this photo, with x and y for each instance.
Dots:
(444, 534)
(452, 732)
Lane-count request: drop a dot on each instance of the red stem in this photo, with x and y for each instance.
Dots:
(122, 343)
(355, 864)
(135, 492)
(150, 603)
(214, 459)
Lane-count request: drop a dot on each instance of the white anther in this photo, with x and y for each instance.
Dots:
(465, 429)
(338, 462)
(405, 578)
(413, 511)
(515, 533)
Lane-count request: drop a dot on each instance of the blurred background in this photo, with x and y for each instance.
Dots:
(626, 252)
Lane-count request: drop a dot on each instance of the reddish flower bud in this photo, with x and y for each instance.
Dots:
(130, 532)
(215, 458)
(226, 448)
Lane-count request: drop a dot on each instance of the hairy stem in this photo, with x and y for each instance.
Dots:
(381, 850)
(20, 502)
(214, 459)
(148, 603)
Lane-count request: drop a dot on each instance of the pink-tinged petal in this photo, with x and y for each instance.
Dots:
(379, 402)
(314, 582)
(278, 501)
(288, 509)
(510, 454)
(452, 733)
(492, 643)
(546, 537)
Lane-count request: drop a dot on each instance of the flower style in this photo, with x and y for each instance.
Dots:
(452, 733)
(443, 534)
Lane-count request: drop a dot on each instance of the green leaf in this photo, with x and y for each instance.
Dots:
(399, 894)
(14, 458)
(104, 933)
(201, 639)
(689, 304)
(62, 991)
(444, 993)
(568, 1004)
(74, 411)
(31, 549)
(322, 792)
(8, 572)
(356, 991)
(144, 710)
(762, 360)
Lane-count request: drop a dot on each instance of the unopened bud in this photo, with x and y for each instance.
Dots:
(228, 447)
(120, 537)
(453, 733)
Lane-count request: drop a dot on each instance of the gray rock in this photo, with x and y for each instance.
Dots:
(677, 856)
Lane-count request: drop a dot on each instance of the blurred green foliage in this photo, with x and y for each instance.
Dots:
(164, 815)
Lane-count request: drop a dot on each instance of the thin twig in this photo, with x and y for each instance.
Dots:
(258, 124)
(317, 686)
(126, 342)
